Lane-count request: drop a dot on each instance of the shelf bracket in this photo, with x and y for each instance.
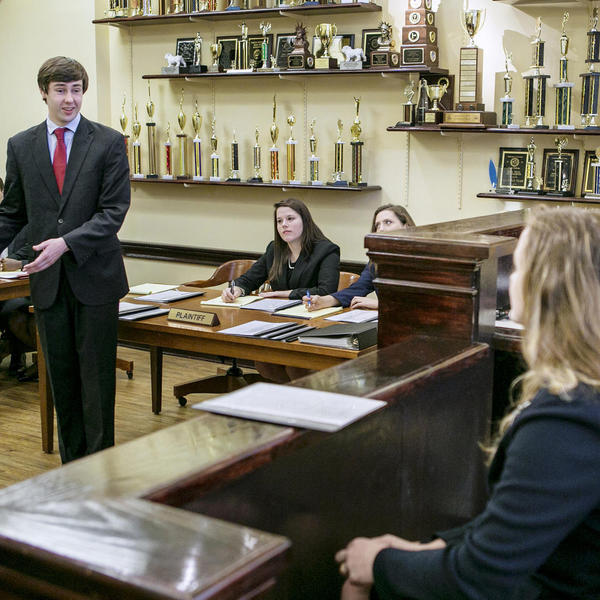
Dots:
(298, 79)
(390, 75)
(197, 18)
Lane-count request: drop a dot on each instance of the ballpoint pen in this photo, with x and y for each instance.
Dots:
(232, 288)
(308, 303)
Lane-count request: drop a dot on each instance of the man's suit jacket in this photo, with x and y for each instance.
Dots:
(87, 215)
(318, 272)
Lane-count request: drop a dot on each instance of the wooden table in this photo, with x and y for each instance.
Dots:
(14, 288)
(159, 333)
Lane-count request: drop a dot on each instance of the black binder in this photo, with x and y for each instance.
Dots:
(353, 336)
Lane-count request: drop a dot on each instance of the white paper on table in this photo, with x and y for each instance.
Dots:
(297, 407)
(13, 275)
(358, 315)
(255, 328)
(151, 288)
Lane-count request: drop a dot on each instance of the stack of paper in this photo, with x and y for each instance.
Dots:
(298, 407)
(13, 274)
(169, 296)
(301, 312)
(256, 328)
(358, 315)
(272, 305)
(240, 301)
(129, 311)
(151, 288)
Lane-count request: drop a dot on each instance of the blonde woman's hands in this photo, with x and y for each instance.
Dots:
(229, 295)
(363, 302)
(318, 302)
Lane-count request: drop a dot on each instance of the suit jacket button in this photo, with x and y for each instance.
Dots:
(61, 221)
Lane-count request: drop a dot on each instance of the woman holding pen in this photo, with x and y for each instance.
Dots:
(299, 260)
(388, 217)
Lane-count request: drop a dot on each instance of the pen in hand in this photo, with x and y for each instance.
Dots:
(308, 302)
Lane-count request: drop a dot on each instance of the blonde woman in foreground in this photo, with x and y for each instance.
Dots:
(539, 535)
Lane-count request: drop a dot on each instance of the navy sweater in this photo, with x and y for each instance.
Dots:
(539, 535)
(361, 287)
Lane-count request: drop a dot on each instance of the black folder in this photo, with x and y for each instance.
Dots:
(354, 336)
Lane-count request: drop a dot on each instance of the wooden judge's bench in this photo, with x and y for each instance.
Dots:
(218, 507)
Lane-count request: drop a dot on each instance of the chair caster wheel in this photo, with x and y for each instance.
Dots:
(129, 374)
(182, 400)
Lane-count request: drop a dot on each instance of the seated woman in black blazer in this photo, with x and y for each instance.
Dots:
(300, 258)
(539, 535)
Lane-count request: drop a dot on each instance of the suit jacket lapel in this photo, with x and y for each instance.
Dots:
(41, 157)
(82, 141)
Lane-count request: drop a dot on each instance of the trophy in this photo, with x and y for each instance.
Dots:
(422, 101)
(146, 8)
(274, 151)
(197, 6)
(196, 67)
(385, 57)
(178, 7)
(409, 112)
(326, 32)
(123, 123)
(338, 174)
(242, 54)
(290, 146)
(122, 8)
(197, 144)
(506, 101)
(314, 159)
(535, 84)
(532, 183)
(564, 89)
(561, 183)
(435, 92)
(264, 47)
(111, 11)
(151, 125)
(215, 50)
(136, 129)
(357, 149)
(595, 164)
(168, 155)
(234, 174)
(591, 79)
(182, 171)
(300, 57)
(233, 5)
(214, 157)
(419, 47)
(257, 162)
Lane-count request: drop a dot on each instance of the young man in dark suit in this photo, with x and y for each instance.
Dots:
(68, 178)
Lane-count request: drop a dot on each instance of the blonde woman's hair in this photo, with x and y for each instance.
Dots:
(561, 304)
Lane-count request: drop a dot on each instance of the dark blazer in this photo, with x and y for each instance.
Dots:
(87, 215)
(361, 287)
(539, 535)
(318, 272)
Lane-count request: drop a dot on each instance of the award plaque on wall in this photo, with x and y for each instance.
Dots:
(511, 175)
(185, 49)
(587, 183)
(285, 45)
(369, 43)
(565, 172)
(228, 58)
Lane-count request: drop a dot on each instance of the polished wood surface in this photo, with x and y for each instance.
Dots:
(13, 288)
(89, 525)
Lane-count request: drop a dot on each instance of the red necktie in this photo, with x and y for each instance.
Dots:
(59, 162)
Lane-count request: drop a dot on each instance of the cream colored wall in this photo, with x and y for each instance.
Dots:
(436, 177)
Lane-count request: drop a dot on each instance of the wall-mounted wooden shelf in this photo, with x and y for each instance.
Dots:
(279, 186)
(521, 130)
(356, 8)
(283, 74)
(539, 198)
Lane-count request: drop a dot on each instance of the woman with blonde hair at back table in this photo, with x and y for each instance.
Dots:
(388, 217)
(539, 534)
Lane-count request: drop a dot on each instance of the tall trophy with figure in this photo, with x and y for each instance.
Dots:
(215, 50)
(151, 126)
(123, 122)
(591, 79)
(182, 157)
(274, 151)
(256, 155)
(314, 159)
(136, 129)
(291, 153)
(338, 172)
(234, 174)
(564, 89)
(535, 83)
(357, 149)
(507, 101)
(168, 147)
(197, 144)
(214, 156)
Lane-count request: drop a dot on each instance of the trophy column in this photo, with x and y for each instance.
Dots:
(214, 157)
(123, 123)
(506, 101)
(591, 79)
(274, 151)
(136, 129)
(151, 126)
(357, 150)
(168, 155)
(256, 155)
(182, 164)
(561, 176)
(535, 84)
(291, 153)
(197, 144)
(595, 164)
(235, 160)
(338, 174)
(314, 159)
(564, 89)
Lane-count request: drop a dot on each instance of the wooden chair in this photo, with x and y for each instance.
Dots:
(226, 380)
(346, 279)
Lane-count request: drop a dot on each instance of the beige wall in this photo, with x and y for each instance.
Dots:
(436, 177)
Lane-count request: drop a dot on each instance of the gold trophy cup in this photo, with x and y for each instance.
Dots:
(436, 92)
(326, 32)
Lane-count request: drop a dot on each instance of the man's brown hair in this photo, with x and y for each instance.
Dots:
(61, 68)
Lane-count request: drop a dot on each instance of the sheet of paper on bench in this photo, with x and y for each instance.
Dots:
(358, 315)
(508, 324)
(151, 288)
(301, 312)
(272, 305)
(169, 296)
(130, 307)
(255, 328)
(240, 301)
(13, 274)
(287, 405)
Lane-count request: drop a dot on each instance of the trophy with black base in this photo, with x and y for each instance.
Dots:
(215, 50)
(197, 144)
(385, 57)
(256, 154)
(564, 89)
(274, 150)
(168, 147)
(591, 79)
(435, 115)
(562, 184)
(357, 149)
(300, 58)
(151, 126)
(182, 162)
(326, 32)
(136, 129)
(595, 165)
(214, 157)
(506, 101)
(314, 160)
(338, 173)
(535, 84)
(196, 67)
(291, 153)
(532, 182)
(123, 122)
